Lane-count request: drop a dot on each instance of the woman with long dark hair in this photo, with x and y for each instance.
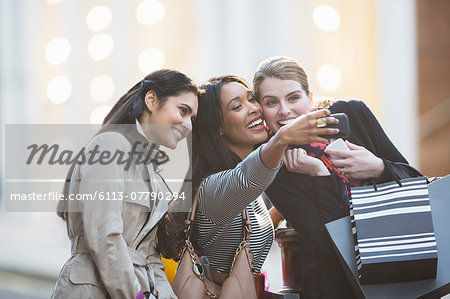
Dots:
(234, 170)
(114, 235)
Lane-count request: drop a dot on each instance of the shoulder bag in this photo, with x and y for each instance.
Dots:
(190, 281)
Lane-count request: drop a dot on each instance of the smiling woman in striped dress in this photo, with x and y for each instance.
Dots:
(235, 171)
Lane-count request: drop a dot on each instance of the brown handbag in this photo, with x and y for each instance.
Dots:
(190, 281)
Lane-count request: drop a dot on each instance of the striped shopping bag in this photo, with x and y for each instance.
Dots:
(393, 232)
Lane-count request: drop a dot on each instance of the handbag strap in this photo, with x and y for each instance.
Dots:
(247, 224)
(191, 215)
(219, 277)
(247, 229)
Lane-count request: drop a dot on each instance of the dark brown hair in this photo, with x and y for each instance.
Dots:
(129, 107)
(209, 152)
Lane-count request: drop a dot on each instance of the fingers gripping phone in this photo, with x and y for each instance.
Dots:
(343, 126)
(338, 144)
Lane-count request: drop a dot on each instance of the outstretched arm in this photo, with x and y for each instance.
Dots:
(225, 194)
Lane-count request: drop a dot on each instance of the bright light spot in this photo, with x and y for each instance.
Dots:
(102, 88)
(57, 50)
(150, 12)
(150, 60)
(100, 46)
(329, 77)
(59, 89)
(326, 18)
(54, 2)
(99, 113)
(99, 18)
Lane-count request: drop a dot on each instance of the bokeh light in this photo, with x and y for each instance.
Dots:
(329, 77)
(99, 113)
(57, 50)
(102, 88)
(99, 18)
(326, 18)
(100, 46)
(59, 89)
(150, 59)
(150, 12)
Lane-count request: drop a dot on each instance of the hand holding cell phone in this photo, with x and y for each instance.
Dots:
(355, 162)
(343, 126)
(308, 128)
(338, 144)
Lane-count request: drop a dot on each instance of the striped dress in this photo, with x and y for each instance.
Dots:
(217, 229)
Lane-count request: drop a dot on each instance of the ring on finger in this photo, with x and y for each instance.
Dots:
(342, 170)
(321, 122)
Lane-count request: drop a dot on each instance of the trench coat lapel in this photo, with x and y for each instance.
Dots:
(158, 207)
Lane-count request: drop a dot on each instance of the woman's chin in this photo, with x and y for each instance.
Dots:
(275, 128)
(170, 144)
(261, 137)
(169, 140)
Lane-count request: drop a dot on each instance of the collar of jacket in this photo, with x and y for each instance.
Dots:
(163, 158)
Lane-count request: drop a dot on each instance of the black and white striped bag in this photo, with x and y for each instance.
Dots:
(393, 231)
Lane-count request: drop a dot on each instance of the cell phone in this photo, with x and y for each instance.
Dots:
(343, 126)
(338, 144)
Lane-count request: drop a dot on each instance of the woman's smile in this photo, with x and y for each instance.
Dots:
(243, 125)
(180, 132)
(283, 122)
(256, 124)
(282, 101)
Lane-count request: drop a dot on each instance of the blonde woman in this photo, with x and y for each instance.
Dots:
(312, 187)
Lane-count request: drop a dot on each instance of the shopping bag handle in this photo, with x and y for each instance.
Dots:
(395, 175)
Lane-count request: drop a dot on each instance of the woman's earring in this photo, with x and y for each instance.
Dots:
(267, 128)
(311, 102)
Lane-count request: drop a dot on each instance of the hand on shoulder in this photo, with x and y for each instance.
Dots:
(297, 160)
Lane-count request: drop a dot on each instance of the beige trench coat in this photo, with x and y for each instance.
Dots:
(114, 241)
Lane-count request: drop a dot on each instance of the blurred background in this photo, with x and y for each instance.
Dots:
(68, 62)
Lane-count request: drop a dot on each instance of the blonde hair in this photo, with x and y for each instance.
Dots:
(280, 67)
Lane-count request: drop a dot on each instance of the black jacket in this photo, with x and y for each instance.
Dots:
(307, 203)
